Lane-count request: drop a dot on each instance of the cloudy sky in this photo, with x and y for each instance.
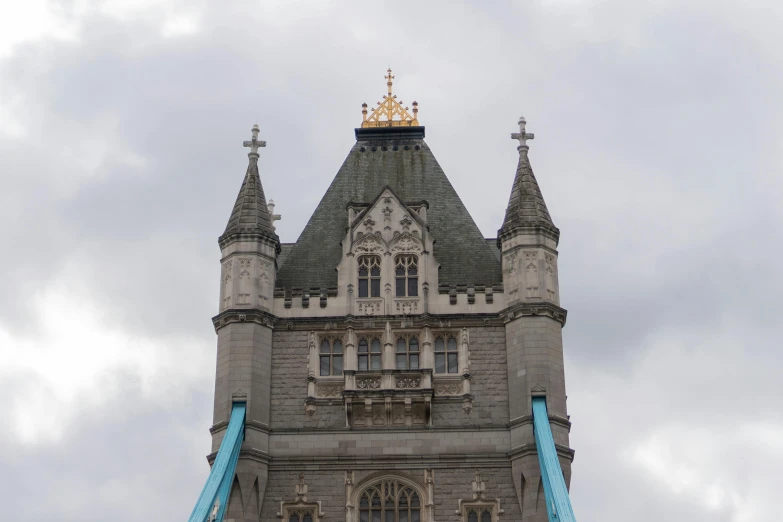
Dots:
(657, 129)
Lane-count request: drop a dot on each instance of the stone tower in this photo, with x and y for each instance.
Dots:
(388, 358)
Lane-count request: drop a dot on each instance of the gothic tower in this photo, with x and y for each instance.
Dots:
(387, 365)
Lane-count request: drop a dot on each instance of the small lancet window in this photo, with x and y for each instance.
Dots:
(331, 357)
(407, 353)
(369, 352)
(406, 271)
(446, 355)
(369, 276)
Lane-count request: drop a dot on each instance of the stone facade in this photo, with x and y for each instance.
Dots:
(409, 370)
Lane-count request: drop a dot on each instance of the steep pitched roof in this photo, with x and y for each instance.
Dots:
(250, 214)
(407, 165)
(526, 206)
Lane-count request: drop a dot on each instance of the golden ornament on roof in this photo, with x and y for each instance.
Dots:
(390, 112)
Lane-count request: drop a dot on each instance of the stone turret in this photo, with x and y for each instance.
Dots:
(249, 248)
(528, 242)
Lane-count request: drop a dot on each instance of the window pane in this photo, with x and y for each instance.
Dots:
(453, 363)
(452, 344)
(362, 362)
(400, 291)
(364, 516)
(364, 502)
(404, 500)
(439, 344)
(401, 348)
(375, 346)
(440, 363)
(400, 270)
(324, 365)
(376, 287)
(376, 271)
(363, 288)
(415, 515)
(376, 500)
(362, 345)
(401, 362)
(337, 347)
(472, 517)
(363, 271)
(403, 515)
(413, 286)
(307, 518)
(414, 361)
(376, 362)
(486, 517)
(390, 515)
(376, 516)
(412, 270)
(325, 346)
(293, 518)
(337, 365)
(415, 500)
(414, 344)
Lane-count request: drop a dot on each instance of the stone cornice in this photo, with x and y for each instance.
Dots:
(530, 449)
(531, 227)
(374, 462)
(340, 323)
(250, 235)
(540, 308)
(238, 315)
(553, 419)
(249, 454)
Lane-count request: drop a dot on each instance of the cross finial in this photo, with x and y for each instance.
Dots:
(275, 217)
(389, 79)
(254, 142)
(522, 135)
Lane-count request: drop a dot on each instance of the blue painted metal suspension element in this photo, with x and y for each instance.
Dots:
(558, 504)
(212, 502)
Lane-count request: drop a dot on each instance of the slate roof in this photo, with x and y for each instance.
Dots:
(407, 165)
(526, 204)
(250, 214)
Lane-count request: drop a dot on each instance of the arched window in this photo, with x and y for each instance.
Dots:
(446, 354)
(369, 276)
(331, 357)
(406, 271)
(369, 352)
(480, 515)
(300, 516)
(407, 353)
(389, 501)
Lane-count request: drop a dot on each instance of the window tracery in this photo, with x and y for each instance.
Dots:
(406, 270)
(369, 353)
(446, 354)
(407, 353)
(369, 276)
(331, 356)
(480, 508)
(390, 501)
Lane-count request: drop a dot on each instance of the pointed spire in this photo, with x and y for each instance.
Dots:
(251, 216)
(526, 205)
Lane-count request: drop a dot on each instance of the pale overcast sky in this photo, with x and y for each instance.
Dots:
(657, 136)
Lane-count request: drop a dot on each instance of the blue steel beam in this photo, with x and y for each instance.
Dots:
(558, 504)
(218, 485)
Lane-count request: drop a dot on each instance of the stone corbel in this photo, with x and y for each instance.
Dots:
(310, 406)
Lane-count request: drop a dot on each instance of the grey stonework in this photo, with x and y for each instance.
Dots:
(510, 346)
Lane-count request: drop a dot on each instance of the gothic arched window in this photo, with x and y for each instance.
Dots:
(369, 276)
(390, 501)
(331, 357)
(446, 354)
(406, 271)
(300, 516)
(480, 515)
(407, 353)
(369, 353)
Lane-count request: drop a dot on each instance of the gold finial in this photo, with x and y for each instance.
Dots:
(390, 112)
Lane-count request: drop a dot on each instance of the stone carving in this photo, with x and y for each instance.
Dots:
(398, 414)
(369, 223)
(448, 388)
(369, 244)
(310, 409)
(368, 383)
(227, 290)
(531, 273)
(510, 263)
(407, 307)
(550, 276)
(406, 223)
(406, 242)
(407, 382)
(358, 414)
(467, 406)
(379, 414)
(418, 414)
(329, 390)
(370, 307)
